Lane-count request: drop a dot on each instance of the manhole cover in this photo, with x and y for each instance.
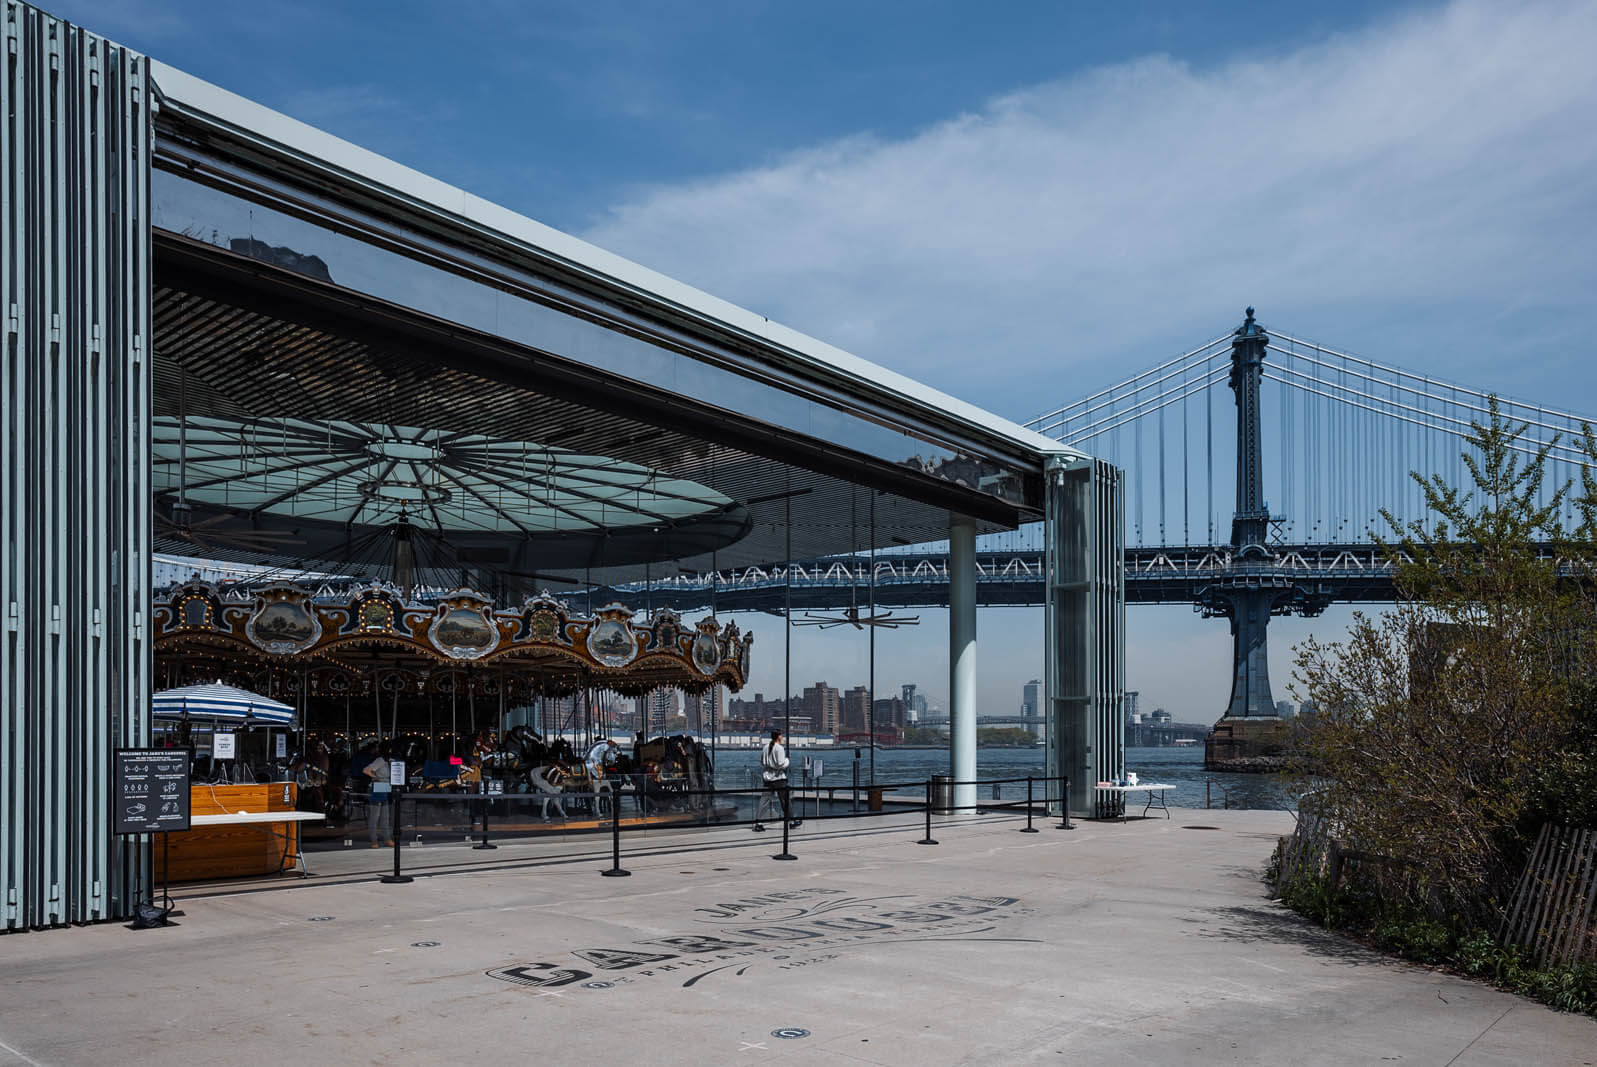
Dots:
(425, 944)
(598, 985)
(1200, 828)
(789, 1033)
(684, 872)
(320, 919)
(720, 868)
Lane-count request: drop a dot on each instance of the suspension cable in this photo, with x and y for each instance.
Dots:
(1135, 391)
(1116, 388)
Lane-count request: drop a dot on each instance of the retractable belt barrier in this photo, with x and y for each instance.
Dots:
(923, 806)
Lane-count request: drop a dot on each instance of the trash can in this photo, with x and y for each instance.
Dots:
(942, 793)
(873, 797)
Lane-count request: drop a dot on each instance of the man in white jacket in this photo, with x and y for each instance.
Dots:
(773, 769)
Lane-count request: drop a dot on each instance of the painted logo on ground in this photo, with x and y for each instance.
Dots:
(783, 931)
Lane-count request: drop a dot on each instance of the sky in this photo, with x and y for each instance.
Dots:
(1016, 203)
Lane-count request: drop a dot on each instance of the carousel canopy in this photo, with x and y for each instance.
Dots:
(218, 701)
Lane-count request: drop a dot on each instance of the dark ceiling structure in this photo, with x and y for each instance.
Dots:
(307, 431)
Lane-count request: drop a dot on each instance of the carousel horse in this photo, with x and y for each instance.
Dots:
(520, 752)
(546, 781)
(674, 770)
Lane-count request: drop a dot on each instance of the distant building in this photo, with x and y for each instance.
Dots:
(890, 711)
(820, 705)
(1284, 709)
(707, 710)
(1031, 707)
(854, 704)
(1133, 705)
(656, 708)
(1160, 716)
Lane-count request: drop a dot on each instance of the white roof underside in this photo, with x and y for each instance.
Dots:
(796, 351)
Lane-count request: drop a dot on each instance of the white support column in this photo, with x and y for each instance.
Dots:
(962, 661)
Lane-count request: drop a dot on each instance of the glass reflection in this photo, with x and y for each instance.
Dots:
(202, 212)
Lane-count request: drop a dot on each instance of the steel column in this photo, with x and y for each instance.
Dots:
(962, 662)
(1084, 626)
(74, 465)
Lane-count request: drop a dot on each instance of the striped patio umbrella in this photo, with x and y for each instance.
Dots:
(217, 701)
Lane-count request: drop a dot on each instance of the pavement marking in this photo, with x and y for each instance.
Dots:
(549, 993)
(747, 1045)
(1482, 1034)
(31, 1062)
(1261, 963)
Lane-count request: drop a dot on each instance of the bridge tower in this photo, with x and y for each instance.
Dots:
(1249, 734)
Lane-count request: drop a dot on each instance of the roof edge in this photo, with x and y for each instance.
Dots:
(196, 97)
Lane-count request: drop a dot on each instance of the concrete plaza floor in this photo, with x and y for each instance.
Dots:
(1150, 942)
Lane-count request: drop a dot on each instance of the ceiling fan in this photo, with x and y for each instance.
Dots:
(207, 536)
(885, 620)
(851, 616)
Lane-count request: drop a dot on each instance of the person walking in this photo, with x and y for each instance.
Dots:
(379, 812)
(773, 770)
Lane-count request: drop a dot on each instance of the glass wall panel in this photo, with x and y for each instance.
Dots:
(457, 285)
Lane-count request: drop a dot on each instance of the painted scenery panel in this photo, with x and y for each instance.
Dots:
(612, 643)
(464, 629)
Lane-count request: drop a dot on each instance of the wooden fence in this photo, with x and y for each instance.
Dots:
(1554, 907)
(1306, 851)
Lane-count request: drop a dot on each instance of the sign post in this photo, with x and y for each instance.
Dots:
(152, 790)
(396, 782)
(151, 795)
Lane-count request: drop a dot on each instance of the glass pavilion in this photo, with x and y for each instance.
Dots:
(231, 334)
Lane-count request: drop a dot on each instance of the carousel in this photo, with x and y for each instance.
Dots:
(473, 697)
(454, 680)
(392, 591)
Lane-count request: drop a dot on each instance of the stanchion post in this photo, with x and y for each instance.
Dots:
(786, 821)
(1064, 804)
(1030, 829)
(615, 870)
(856, 781)
(393, 826)
(484, 842)
(928, 839)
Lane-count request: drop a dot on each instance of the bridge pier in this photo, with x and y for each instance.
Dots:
(1249, 734)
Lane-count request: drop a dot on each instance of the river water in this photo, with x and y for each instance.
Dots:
(1180, 767)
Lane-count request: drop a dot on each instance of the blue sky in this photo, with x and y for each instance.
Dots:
(1013, 202)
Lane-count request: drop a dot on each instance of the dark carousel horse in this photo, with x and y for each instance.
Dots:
(521, 751)
(673, 771)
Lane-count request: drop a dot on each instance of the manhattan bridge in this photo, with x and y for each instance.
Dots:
(1257, 467)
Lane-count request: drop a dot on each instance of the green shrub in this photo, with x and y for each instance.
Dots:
(1451, 943)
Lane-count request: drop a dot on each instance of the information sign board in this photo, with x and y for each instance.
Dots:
(396, 773)
(222, 746)
(151, 790)
(282, 746)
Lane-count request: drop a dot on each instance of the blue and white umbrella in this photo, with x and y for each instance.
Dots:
(217, 701)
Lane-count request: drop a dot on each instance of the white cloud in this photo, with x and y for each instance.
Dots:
(1422, 191)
